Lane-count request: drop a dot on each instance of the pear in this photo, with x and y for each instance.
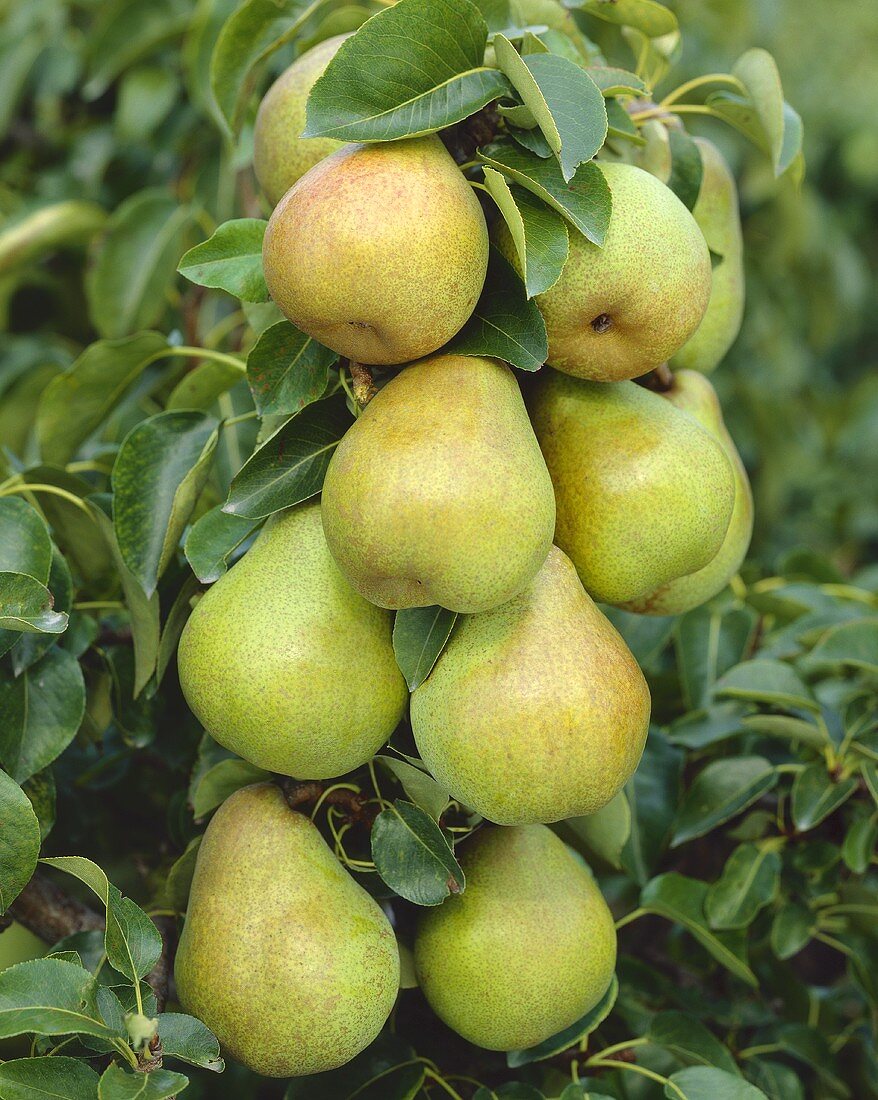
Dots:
(536, 711)
(280, 154)
(623, 309)
(526, 950)
(285, 664)
(290, 963)
(380, 251)
(693, 393)
(716, 212)
(438, 493)
(645, 494)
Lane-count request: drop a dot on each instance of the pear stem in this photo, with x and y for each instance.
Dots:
(363, 383)
(660, 380)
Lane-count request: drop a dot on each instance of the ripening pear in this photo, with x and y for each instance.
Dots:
(290, 963)
(716, 212)
(644, 492)
(267, 655)
(280, 154)
(526, 950)
(438, 493)
(536, 711)
(692, 393)
(621, 310)
(380, 251)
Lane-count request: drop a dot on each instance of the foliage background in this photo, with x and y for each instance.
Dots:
(99, 107)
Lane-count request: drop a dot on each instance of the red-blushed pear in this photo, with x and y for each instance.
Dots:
(526, 950)
(290, 963)
(620, 310)
(535, 711)
(280, 154)
(380, 251)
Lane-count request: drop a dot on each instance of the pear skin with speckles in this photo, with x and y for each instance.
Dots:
(438, 493)
(520, 738)
(526, 950)
(290, 963)
(644, 492)
(620, 310)
(716, 212)
(693, 393)
(280, 155)
(285, 664)
(380, 251)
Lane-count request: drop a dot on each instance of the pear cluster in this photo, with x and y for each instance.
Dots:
(516, 510)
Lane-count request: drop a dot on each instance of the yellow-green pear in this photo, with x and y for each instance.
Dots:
(380, 251)
(280, 154)
(267, 655)
(536, 711)
(693, 393)
(621, 310)
(526, 950)
(716, 212)
(438, 493)
(290, 963)
(644, 493)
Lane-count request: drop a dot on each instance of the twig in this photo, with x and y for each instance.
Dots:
(159, 977)
(355, 804)
(44, 909)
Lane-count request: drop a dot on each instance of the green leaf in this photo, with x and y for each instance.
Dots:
(652, 794)
(25, 544)
(125, 32)
(187, 1039)
(721, 791)
(707, 1083)
(287, 370)
(708, 643)
(605, 832)
(809, 1045)
(681, 900)
(135, 263)
(749, 882)
(776, 1079)
(419, 636)
(211, 541)
(786, 728)
(686, 168)
(859, 844)
(159, 473)
(41, 791)
(383, 1071)
(201, 387)
(613, 81)
(816, 795)
(689, 1040)
(757, 72)
(413, 857)
(19, 841)
(223, 779)
(174, 893)
(145, 98)
(766, 681)
(24, 240)
(132, 941)
(291, 465)
(78, 401)
(26, 605)
(700, 728)
(119, 1084)
(538, 232)
(420, 787)
(40, 1078)
(853, 645)
(505, 324)
(562, 98)
(791, 929)
(248, 38)
(585, 201)
(40, 712)
(425, 64)
(570, 1035)
(49, 997)
(230, 260)
(647, 16)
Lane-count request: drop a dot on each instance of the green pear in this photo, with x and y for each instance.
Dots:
(284, 664)
(526, 950)
(693, 393)
(541, 680)
(280, 154)
(438, 493)
(290, 963)
(645, 494)
(623, 309)
(380, 251)
(716, 212)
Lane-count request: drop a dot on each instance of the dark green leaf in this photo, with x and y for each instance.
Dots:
(119, 1084)
(159, 473)
(32, 646)
(647, 16)
(816, 795)
(686, 168)
(538, 232)
(412, 69)
(792, 928)
(709, 642)
(212, 539)
(386, 1070)
(778, 1081)
(287, 370)
(49, 997)
(701, 728)
(853, 644)
(201, 387)
(652, 793)
(860, 843)
(187, 1039)
(419, 636)
(690, 1041)
(765, 681)
(221, 780)
(420, 787)
(19, 841)
(749, 882)
(413, 857)
(707, 1083)
(25, 545)
(26, 605)
(230, 260)
(570, 1035)
(720, 791)
(603, 833)
(40, 1078)
(505, 323)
